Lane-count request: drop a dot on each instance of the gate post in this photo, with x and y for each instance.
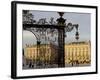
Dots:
(61, 40)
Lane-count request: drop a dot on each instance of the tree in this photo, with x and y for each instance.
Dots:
(28, 17)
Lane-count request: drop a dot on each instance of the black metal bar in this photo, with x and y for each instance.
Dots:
(61, 61)
(40, 26)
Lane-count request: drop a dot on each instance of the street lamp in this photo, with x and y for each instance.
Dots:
(61, 37)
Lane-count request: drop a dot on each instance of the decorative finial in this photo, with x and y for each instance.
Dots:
(61, 13)
(61, 21)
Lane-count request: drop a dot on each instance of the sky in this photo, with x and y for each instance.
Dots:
(83, 19)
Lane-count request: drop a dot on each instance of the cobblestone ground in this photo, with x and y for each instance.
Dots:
(36, 66)
(76, 65)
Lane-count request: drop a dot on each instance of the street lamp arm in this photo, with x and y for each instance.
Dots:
(70, 27)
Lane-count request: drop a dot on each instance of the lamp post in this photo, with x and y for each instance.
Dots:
(61, 40)
(61, 37)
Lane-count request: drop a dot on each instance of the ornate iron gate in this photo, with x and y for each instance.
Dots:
(52, 34)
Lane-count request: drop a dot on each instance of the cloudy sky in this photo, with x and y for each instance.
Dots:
(83, 19)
